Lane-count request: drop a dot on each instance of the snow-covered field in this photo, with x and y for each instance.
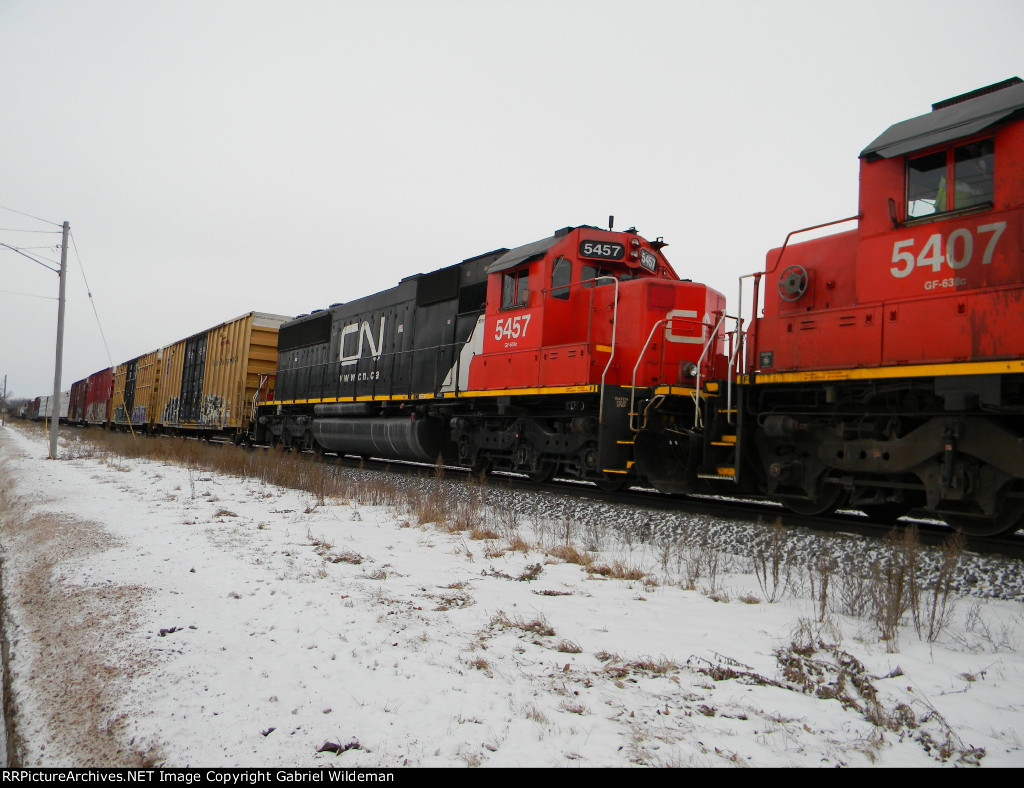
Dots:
(161, 615)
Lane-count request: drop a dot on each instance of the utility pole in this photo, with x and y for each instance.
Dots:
(3, 406)
(55, 418)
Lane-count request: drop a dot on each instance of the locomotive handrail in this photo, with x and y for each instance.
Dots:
(704, 352)
(643, 351)
(615, 322)
(639, 358)
(732, 370)
(264, 378)
(804, 230)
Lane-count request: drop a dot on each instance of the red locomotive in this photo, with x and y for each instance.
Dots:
(886, 368)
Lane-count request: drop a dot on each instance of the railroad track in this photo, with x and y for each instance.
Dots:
(930, 532)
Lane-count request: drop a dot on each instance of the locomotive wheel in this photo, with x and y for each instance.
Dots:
(1009, 519)
(1006, 522)
(668, 462)
(829, 498)
(1009, 516)
(543, 474)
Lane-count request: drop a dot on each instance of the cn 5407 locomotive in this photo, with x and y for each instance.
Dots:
(887, 369)
(883, 367)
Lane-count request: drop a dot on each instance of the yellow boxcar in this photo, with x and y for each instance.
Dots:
(209, 380)
(136, 392)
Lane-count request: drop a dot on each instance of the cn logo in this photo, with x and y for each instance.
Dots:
(362, 331)
(684, 320)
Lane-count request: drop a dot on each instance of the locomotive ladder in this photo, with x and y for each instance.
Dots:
(722, 458)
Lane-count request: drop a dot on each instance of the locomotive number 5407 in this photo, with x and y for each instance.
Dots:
(959, 250)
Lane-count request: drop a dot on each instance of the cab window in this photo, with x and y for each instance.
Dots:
(515, 288)
(561, 275)
(967, 167)
(591, 272)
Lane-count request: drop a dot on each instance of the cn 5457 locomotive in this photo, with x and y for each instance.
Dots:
(883, 368)
(527, 359)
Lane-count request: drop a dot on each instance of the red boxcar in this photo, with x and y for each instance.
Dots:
(99, 394)
(76, 405)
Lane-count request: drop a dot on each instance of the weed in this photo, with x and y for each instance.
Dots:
(479, 663)
(569, 647)
(536, 626)
(573, 707)
(532, 572)
(347, 557)
(940, 600)
(893, 589)
(571, 555)
(821, 569)
(770, 565)
(618, 570)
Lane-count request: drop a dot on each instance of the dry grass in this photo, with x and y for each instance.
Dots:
(618, 570)
(479, 663)
(534, 626)
(571, 555)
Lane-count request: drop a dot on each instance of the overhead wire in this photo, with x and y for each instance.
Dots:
(30, 216)
(29, 295)
(92, 301)
(30, 257)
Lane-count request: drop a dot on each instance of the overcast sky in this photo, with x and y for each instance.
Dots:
(224, 156)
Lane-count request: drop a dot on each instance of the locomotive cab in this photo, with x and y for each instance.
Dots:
(578, 308)
(889, 360)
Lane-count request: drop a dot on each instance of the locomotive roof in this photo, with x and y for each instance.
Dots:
(520, 254)
(531, 251)
(949, 120)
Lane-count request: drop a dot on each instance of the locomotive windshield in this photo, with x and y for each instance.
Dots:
(968, 167)
(592, 272)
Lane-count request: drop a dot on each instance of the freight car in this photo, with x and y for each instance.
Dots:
(202, 385)
(526, 359)
(99, 394)
(886, 372)
(208, 381)
(42, 407)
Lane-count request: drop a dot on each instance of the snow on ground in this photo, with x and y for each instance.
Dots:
(161, 615)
